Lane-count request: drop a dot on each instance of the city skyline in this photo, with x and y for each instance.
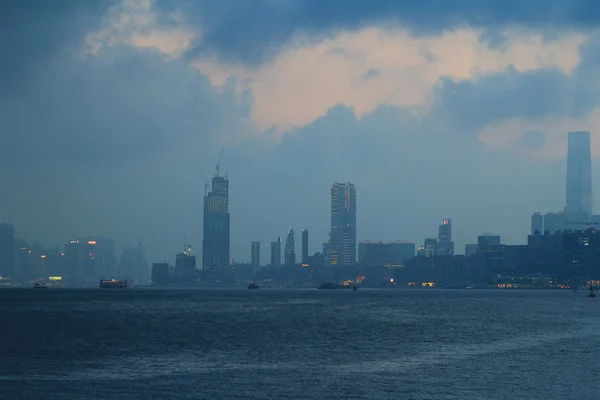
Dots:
(105, 139)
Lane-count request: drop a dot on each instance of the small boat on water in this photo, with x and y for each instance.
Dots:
(113, 284)
(334, 285)
(253, 285)
(592, 294)
(40, 285)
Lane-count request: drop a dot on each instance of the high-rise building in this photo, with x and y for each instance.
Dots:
(342, 243)
(304, 245)
(487, 240)
(7, 249)
(326, 253)
(185, 267)
(255, 254)
(445, 245)
(402, 251)
(555, 221)
(290, 248)
(537, 223)
(429, 247)
(276, 252)
(470, 249)
(215, 244)
(579, 177)
(89, 257)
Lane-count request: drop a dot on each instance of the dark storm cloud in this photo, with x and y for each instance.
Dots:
(470, 104)
(33, 31)
(252, 31)
(109, 110)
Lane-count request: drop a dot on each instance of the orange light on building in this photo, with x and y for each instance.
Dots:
(91, 242)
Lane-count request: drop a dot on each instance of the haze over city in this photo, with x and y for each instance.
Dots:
(432, 109)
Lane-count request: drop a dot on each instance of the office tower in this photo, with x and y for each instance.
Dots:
(402, 251)
(342, 245)
(215, 244)
(133, 264)
(276, 252)
(554, 222)
(96, 257)
(487, 240)
(161, 274)
(537, 223)
(255, 254)
(7, 249)
(326, 253)
(290, 248)
(445, 245)
(430, 247)
(304, 245)
(579, 177)
(185, 267)
(470, 249)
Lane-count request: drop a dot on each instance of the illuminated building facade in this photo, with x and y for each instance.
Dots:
(185, 267)
(215, 244)
(445, 245)
(290, 248)
(342, 243)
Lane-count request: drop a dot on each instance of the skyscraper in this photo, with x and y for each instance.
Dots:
(215, 244)
(445, 245)
(7, 249)
(304, 245)
(290, 248)
(276, 252)
(579, 177)
(537, 223)
(342, 244)
(255, 253)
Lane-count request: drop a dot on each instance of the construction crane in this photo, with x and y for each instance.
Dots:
(204, 180)
(219, 162)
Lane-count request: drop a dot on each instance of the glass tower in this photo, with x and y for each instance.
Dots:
(579, 177)
(342, 244)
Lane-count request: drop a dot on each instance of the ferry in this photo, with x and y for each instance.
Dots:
(253, 285)
(113, 284)
(40, 285)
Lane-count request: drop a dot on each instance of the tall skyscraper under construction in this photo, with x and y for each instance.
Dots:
(579, 177)
(342, 243)
(215, 243)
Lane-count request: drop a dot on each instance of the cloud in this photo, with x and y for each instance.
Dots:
(254, 32)
(429, 107)
(136, 23)
(307, 79)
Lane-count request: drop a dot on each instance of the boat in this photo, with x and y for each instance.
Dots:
(113, 284)
(334, 285)
(592, 294)
(40, 285)
(253, 285)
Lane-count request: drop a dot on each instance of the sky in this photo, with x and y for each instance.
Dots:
(433, 109)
